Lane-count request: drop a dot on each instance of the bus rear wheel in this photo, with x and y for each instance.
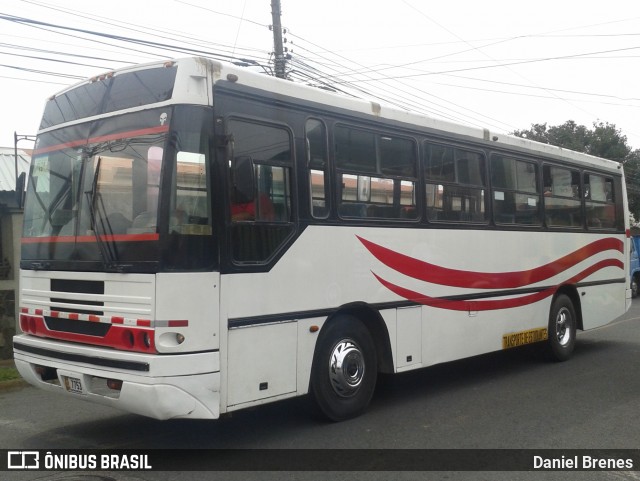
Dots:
(562, 328)
(344, 372)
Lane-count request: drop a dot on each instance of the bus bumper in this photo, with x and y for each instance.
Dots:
(154, 395)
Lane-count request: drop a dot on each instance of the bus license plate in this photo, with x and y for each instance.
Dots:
(73, 384)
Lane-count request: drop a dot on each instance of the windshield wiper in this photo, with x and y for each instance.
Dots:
(107, 250)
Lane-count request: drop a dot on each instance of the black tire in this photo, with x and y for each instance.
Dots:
(562, 328)
(344, 371)
(634, 287)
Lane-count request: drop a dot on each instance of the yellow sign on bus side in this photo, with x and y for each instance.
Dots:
(516, 339)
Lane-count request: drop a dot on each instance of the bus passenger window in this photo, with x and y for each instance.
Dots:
(377, 174)
(455, 189)
(599, 202)
(562, 202)
(515, 194)
(316, 139)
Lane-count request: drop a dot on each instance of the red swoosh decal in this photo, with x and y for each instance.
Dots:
(493, 304)
(435, 274)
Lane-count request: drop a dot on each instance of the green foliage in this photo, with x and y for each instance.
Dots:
(603, 140)
(8, 374)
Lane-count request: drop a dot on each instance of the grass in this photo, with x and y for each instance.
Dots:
(8, 374)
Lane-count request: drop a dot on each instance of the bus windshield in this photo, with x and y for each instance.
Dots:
(91, 190)
(94, 193)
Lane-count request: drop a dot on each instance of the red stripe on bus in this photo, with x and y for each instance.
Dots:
(494, 304)
(425, 271)
(103, 138)
(89, 238)
(117, 337)
(143, 323)
(184, 323)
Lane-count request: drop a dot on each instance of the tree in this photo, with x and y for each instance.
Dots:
(632, 173)
(604, 140)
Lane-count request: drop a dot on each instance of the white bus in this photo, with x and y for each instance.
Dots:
(200, 238)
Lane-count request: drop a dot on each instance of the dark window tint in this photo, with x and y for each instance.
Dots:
(123, 91)
(397, 156)
(355, 150)
(316, 139)
(260, 142)
(140, 88)
(263, 223)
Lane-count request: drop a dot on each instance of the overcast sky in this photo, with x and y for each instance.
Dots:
(497, 64)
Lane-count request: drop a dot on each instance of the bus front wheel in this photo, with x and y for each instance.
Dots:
(344, 371)
(562, 328)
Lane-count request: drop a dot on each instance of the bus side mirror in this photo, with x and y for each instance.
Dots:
(243, 178)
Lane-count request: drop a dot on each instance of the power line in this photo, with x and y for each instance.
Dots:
(409, 103)
(32, 80)
(499, 65)
(54, 52)
(52, 60)
(338, 72)
(223, 14)
(55, 74)
(546, 96)
(157, 33)
(125, 39)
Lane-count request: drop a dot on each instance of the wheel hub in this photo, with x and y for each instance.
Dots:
(346, 368)
(563, 332)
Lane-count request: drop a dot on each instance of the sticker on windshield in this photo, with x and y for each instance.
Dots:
(40, 173)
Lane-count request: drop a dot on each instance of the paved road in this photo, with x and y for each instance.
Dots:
(511, 399)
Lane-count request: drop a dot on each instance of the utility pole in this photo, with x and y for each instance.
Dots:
(280, 60)
(19, 185)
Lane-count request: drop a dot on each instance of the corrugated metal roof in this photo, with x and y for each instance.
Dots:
(8, 167)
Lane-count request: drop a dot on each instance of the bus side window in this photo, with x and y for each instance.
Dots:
(262, 221)
(316, 151)
(377, 174)
(190, 203)
(562, 202)
(599, 202)
(515, 194)
(190, 215)
(456, 184)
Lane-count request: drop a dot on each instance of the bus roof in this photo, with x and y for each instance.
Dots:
(200, 67)
(337, 100)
